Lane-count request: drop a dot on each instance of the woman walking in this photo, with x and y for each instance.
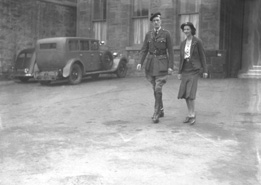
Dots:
(192, 60)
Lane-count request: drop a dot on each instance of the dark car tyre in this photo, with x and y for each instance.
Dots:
(23, 79)
(75, 76)
(122, 70)
(107, 60)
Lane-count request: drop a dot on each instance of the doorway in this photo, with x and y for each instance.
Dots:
(231, 34)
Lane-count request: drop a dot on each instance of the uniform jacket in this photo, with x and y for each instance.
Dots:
(197, 55)
(159, 46)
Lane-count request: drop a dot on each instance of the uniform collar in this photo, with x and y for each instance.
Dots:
(157, 29)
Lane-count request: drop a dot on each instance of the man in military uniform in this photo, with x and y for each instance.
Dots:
(158, 46)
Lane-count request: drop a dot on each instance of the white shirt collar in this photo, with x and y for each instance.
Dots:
(157, 29)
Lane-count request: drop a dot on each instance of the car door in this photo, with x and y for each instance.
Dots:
(95, 55)
(85, 54)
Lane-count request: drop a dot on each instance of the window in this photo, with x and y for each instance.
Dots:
(84, 45)
(48, 46)
(94, 45)
(189, 12)
(99, 19)
(140, 20)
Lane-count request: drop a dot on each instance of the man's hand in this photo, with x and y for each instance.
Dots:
(170, 71)
(179, 76)
(205, 75)
(139, 67)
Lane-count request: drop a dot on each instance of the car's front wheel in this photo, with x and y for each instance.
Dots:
(24, 79)
(122, 70)
(75, 76)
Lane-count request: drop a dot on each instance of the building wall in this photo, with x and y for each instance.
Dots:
(252, 35)
(22, 22)
(119, 30)
(84, 18)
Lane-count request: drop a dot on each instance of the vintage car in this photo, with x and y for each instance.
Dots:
(74, 57)
(25, 65)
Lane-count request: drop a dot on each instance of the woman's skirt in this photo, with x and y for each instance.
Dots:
(188, 86)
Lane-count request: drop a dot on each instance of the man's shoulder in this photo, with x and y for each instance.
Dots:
(164, 30)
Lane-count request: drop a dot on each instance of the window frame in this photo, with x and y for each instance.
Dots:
(179, 14)
(135, 17)
(106, 13)
(93, 20)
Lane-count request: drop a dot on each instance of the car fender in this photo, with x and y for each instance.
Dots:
(117, 61)
(66, 69)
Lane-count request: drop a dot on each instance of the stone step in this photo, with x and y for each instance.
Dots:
(254, 70)
(257, 67)
(250, 75)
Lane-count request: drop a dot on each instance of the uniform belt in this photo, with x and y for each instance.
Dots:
(157, 54)
(186, 59)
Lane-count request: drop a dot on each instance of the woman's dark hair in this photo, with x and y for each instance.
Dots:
(193, 29)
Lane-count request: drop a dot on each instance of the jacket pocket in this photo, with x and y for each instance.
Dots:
(163, 63)
(148, 61)
(161, 43)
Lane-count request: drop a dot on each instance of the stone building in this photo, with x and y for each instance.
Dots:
(22, 22)
(229, 29)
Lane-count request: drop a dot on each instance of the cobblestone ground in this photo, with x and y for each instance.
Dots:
(100, 132)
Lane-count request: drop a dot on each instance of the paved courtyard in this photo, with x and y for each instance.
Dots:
(101, 133)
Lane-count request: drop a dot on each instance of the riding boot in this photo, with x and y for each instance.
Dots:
(154, 105)
(161, 114)
(156, 114)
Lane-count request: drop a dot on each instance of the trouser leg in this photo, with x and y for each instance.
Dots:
(157, 84)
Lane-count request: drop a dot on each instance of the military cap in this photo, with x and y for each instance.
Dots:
(153, 15)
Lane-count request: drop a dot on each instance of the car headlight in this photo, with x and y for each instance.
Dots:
(115, 54)
(26, 70)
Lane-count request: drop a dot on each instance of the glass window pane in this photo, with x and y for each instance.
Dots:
(99, 9)
(48, 46)
(94, 45)
(189, 6)
(84, 45)
(100, 31)
(141, 27)
(140, 7)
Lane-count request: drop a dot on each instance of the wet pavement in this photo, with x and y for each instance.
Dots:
(101, 132)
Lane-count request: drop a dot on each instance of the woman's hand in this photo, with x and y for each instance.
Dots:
(205, 75)
(170, 71)
(179, 76)
(139, 67)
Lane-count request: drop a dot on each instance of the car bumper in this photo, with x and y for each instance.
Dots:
(22, 74)
(47, 75)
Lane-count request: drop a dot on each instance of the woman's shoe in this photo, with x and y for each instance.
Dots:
(192, 120)
(186, 120)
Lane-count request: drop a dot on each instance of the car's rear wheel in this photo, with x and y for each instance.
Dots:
(95, 76)
(45, 82)
(122, 70)
(23, 79)
(107, 60)
(75, 76)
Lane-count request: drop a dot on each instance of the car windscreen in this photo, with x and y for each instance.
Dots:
(23, 60)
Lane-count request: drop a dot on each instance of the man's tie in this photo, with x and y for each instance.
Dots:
(156, 32)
